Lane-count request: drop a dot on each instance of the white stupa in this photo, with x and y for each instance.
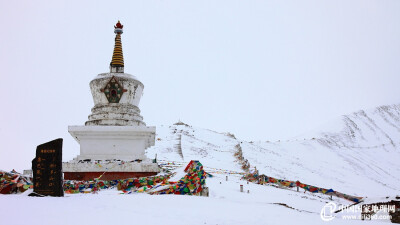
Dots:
(114, 139)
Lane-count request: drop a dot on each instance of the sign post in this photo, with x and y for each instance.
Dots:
(47, 169)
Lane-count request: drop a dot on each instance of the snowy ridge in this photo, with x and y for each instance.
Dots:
(376, 128)
(182, 143)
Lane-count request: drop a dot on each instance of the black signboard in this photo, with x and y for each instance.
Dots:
(47, 169)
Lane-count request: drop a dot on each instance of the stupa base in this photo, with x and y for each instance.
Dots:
(106, 176)
(127, 143)
(108, 170)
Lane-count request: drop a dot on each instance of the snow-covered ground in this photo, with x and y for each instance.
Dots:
(357, 154)
(226, 205)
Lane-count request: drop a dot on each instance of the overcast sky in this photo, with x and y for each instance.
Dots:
(263, 70)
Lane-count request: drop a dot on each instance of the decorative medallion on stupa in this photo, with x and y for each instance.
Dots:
(114, 138)
(113, 90)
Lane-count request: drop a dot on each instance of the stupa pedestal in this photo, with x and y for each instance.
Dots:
(125, 143)
(114, 139)
(112, 152)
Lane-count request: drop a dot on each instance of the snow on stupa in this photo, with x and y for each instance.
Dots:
(114, 139)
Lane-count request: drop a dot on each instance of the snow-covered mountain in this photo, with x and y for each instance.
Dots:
(358, 154)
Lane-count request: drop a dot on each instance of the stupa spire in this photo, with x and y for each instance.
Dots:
(117, 62)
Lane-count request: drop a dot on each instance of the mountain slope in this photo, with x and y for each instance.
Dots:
(357, 154)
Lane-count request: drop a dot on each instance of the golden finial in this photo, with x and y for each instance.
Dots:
(117, 62)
